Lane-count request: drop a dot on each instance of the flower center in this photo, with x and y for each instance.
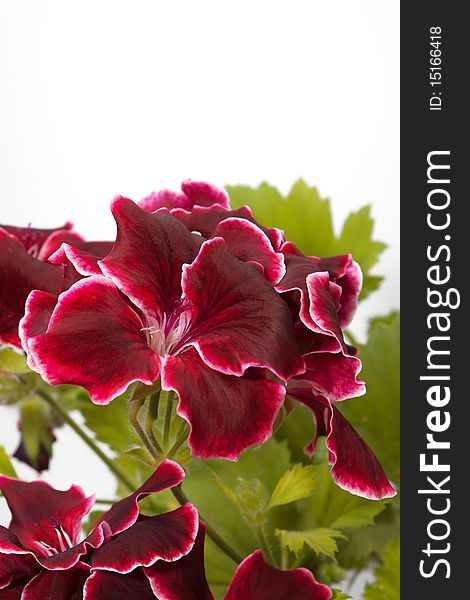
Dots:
(63, 540)
(164, 336)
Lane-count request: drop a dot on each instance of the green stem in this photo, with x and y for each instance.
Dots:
(265, 545)
(152, 416)
(86, 438)
(284, 558)
(210, 531)
(167, 424)
(105, 501)
(180, 439)
(134, 408)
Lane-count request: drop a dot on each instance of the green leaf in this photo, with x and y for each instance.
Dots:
(376, 416)
(296, 483)
(13, 362)
(387, 576)
(335, 508)
(110, 424)
(321, 540)
(6, 468)
(306, 220)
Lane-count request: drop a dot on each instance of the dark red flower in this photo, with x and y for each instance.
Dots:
(25, 257)
(170, 304)
(42, 542)
(323, 294)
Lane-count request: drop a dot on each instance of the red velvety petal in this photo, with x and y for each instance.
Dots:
(106, 585)
(330, 374)
(55, 240)
(205, 220)
(15, 566)
(41, 305)
(351, 285)
(19, 274)
(146, 260)
(354, 467)
(248, 243)
(124, 513)
(58, 585)
(240, 320)
(227, 413)
(184, 578)
(32, 239)
(13, 592)
(194, 193)
(94, 339)
(83, 258)
(255, 579)
(38, 511)
(164, 537)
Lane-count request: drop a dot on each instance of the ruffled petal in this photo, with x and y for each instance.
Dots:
(354, 467)
(19, 274)
(227, 414)
(15, 566)
(106, 585)
(351, 285)
(248, 243)
(58, 585)
(194, 193)
(332, 375)
(33, 239)
(255, 579)
(13, 592)
(55, 240)
(83, 257)
(38, 509)
(164, 537)
(204, 220)
(94, 339)
(146, 260)
(124, 513)
(240, 321)
(184, 578)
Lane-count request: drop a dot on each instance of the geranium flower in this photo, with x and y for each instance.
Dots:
(40, 552)
(25, 256)
(323, 293)
(170, 304)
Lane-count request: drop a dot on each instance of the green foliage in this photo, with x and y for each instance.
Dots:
(6, 468)
(109, 423)
(376, 416)
(321, 540)
(13, 362)
(387, 576)
(339, 595)
(307, 221)
(296, 483)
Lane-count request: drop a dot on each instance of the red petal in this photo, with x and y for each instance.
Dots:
(105, 585)
(164, 537)
(194, 193)
(354, 467)
(19, 274)
(124, 513)
(83, 259)
(332, 375)
(248, 243)
(58, 585)
(15, 566)
(39, 511)
(184, 578)
(146, 260)
(255, 579)
(241, 322)
(32, 239)
(227, 414)
(94, 339)
(205, 221)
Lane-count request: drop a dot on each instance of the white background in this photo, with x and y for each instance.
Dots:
(105, 98)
